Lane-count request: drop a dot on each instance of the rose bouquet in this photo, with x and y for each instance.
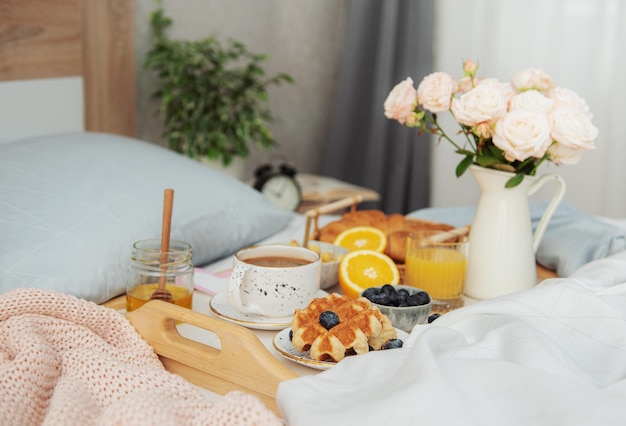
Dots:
(512, 126)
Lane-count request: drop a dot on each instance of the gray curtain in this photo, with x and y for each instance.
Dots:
(386, 41)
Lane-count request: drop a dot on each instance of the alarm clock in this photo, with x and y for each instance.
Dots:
(279, 184)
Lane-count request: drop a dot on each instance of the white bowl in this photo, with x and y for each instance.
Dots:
(330, 269)
(405, 318)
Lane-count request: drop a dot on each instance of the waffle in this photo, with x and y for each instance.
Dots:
(360, 327)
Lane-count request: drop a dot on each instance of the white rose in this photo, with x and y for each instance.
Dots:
(532, 78)
(566, 97)
(483, 103)
(435, 91)
(401, 101)
(504, 87)
(561, 154)
(531, 100)
(572, 128)
(522, 134)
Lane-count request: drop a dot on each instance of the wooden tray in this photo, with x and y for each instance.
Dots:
(242, 362)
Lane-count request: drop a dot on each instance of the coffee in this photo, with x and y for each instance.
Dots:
(277, 261)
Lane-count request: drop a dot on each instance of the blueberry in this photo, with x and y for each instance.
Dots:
(433, 317)
(368, 293)
(380, 299)
(393, 299)
(423, 297)
(329, 319)
(419, 298)
(388, 289)
(403, 294)
(393, 344)
(370, 348)
(290, 335)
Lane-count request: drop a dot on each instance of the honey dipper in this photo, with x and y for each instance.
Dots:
(162, 293)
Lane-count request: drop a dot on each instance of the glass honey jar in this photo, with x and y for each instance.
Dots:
(147, 267)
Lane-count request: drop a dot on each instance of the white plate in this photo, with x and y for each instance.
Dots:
(284, 347)
(220, 307)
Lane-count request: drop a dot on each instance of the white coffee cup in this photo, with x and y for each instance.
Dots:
(273, 280)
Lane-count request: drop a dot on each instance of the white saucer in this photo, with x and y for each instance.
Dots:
(220, 307)
(283, 345)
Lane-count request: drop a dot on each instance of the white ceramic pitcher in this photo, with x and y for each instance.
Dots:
(502, 247)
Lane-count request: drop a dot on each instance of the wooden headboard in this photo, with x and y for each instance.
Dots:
(88, 38)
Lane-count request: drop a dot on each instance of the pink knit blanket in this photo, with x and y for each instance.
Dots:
(68, 361)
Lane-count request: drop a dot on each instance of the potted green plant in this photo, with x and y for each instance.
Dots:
(213, 97)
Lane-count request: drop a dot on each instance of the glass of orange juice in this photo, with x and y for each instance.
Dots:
(437, 267)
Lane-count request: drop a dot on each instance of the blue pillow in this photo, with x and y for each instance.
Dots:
(72, 205)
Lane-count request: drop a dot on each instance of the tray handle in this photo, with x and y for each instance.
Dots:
(242, 362)
(313, 215)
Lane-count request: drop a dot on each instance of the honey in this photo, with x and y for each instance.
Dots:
(138, 296)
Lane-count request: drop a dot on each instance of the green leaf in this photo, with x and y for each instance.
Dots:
(515, 180)
(463, 165)
(494, 151)
(486, 161)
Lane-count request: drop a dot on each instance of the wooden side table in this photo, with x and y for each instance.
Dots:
(544, 273)
(321, 190)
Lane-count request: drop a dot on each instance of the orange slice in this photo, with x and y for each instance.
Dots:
(361, 269)
(362, 238)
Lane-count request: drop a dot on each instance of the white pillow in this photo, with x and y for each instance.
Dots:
(72, 205)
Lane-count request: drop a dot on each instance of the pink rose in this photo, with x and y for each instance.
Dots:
(466, 84)
(532, 78)
(469, 67)
(572, 128)
(435, 91)
(531, 100)
(484, 103)
(483, 130)
(401, 101)
(413, 119)
(522, 134)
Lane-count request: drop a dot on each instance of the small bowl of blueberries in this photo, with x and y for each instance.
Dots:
(405, 305)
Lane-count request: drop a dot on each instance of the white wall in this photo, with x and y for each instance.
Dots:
(41, 106)
(581, 44)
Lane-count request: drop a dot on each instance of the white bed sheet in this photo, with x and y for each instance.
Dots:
(552, 355)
